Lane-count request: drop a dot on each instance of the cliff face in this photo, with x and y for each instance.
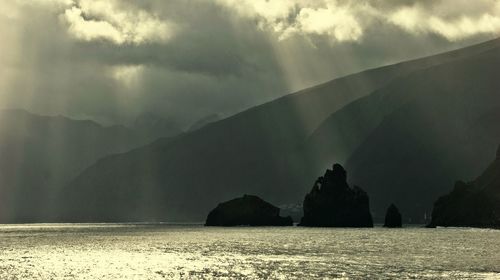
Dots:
(474, 204)
(248, 210)
(332, 203)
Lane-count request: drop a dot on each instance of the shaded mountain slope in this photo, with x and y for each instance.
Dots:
(343, 131)
(262, 150)
(443, 129)
(39, 154)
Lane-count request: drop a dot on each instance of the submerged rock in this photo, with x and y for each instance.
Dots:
(473, 204)
(248, 210)
(393, 217)
(332, 203)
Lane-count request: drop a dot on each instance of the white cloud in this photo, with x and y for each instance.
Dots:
(347, 20)
(89, 30)
(335, 21)
(339, 21)
(120, 22)
(108, 20)
(417, 19)
(89, 20)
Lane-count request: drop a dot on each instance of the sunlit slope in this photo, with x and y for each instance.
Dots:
(415, 136)
(39, 154)
(262, 151)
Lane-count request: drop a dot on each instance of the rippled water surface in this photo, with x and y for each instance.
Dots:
(116, 251)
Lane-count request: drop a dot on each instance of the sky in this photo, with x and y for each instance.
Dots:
(112, 60)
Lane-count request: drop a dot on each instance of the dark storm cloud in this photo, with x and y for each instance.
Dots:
(112, 60)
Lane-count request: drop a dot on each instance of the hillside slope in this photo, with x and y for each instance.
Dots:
(39, 154)
(442, 120)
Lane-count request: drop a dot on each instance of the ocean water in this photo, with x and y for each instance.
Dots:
(126, 251)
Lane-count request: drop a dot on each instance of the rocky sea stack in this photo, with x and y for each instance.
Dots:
(393, 217)
(248, 210)
(333, 203)
(473, 204)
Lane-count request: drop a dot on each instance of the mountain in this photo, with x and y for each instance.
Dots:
(40, 154)
(276, 149)
(153, 126)
(474, 204)
(204, 121)
(418, 133)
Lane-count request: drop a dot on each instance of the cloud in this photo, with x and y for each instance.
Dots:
(348, 20)
(90, 20)
(113, 60)
(339, 21)
(334, 21)
(89, 30)
(452, 26)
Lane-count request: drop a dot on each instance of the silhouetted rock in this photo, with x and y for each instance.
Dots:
(393, 217)
(474, 204)
(248, 210)
(332, 203)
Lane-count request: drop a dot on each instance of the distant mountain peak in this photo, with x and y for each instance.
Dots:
(157, 126)
(204, 121)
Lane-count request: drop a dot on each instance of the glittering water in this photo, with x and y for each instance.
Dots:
(115, 251)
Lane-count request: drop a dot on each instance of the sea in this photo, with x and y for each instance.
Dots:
(168, 251)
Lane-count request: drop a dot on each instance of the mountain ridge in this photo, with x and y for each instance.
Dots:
(40, 154)
(260, 150)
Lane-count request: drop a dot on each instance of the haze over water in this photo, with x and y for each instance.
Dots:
(125, 251)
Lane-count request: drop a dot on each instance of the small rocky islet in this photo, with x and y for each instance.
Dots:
(333, 203)
(249, 210)
(393, 217)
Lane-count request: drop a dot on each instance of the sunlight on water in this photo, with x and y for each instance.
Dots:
(119, 251)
